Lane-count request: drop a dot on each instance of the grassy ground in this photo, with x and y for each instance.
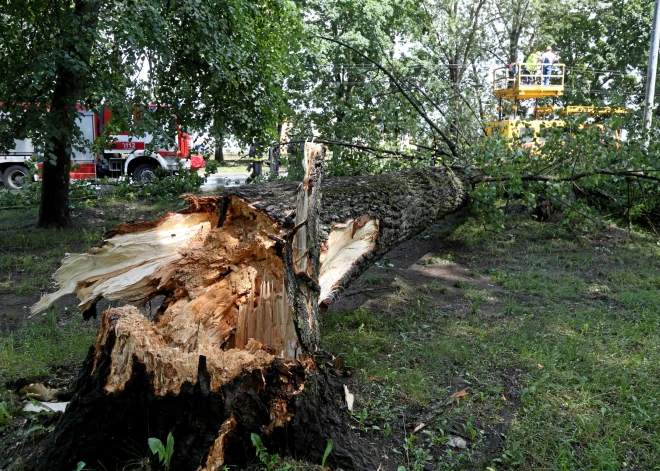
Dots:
(534, 348)
(49, 348)
(553, 337)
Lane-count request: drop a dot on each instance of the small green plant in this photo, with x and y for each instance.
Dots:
(5, 416)
(36, 428)
(269, 460)
(80, 466)
(373, 280)
(328, 450)
(434, 260)
(164, 452)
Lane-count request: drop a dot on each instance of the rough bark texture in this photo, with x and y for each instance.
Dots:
(400, 205)
(69, 87)
(302, 252)
(231, 350)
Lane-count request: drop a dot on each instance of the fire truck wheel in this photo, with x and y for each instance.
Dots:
(145, 173)
(16, 177)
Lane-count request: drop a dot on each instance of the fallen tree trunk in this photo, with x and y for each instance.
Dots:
(233, 349)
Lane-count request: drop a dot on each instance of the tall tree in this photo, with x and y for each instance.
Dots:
(605, 46)
(202, 59)
(340, 94)
(452, 46)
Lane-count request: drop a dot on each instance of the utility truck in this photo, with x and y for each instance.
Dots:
(123, 155)
(522, 84)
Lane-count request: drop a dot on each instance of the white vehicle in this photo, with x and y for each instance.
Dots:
(126, 155)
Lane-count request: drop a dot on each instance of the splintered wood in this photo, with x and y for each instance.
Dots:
(138, 340)
(231, 347)
(347, 244)
(223, 286)
(257, 261)
(302, 252)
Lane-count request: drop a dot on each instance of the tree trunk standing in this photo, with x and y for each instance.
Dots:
(219, 144)
(70, 86)
(54, 207)
(231, 350)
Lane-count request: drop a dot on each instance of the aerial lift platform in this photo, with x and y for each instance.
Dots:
(524, 85)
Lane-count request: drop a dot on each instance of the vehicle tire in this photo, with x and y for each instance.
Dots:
(145, 173)
(16, 177)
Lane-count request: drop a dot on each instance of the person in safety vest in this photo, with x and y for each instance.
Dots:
(531, 67)
(547, 59)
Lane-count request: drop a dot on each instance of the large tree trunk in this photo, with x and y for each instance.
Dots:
(54, 207)
(233, 349)
(219, 154)
(70, 86)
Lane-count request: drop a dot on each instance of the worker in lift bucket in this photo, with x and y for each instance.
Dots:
(531, 68)
(513, 71)
(547, 59)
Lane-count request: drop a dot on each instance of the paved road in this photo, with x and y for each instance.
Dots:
(228, 180)
(224, 179)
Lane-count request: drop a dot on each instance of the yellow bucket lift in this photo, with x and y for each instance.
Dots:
(594, 110)
(519, 83)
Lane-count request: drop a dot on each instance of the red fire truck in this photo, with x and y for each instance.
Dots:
(124, 155)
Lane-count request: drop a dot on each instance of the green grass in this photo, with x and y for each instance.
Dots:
(29, 257)
(560, 357)
(42, 346)
(574, 350)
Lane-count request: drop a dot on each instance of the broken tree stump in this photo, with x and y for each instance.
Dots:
(231, 351)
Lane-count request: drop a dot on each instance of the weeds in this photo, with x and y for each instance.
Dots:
(164, 451)
(39, 347)
(270, 461)
(326, 453)
(5, 416)
(566, 367)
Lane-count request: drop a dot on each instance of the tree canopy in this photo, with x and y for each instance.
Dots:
(208, 62)
(375, 75)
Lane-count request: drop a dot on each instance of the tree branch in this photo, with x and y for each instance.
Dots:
(570, 178)
(429, 121)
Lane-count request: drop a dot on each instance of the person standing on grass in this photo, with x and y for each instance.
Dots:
(547, 59)
(274, 159)
(254, 165)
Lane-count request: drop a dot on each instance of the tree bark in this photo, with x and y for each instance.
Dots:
(54, 206)
(70, 86)
(219, 151)
(233, 350)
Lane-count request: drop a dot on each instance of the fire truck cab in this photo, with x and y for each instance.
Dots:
(124, 155)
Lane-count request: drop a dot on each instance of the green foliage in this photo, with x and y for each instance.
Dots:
(86, 193)
(211, 167)
(164, 452)
(36, 428)
(606, 44)
(5, 416)
(270, 461)
(218, 64)
(577, 170)
(326, 453)
(351, 100)
(80, 466)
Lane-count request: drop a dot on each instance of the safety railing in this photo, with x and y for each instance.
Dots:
(523, 76)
